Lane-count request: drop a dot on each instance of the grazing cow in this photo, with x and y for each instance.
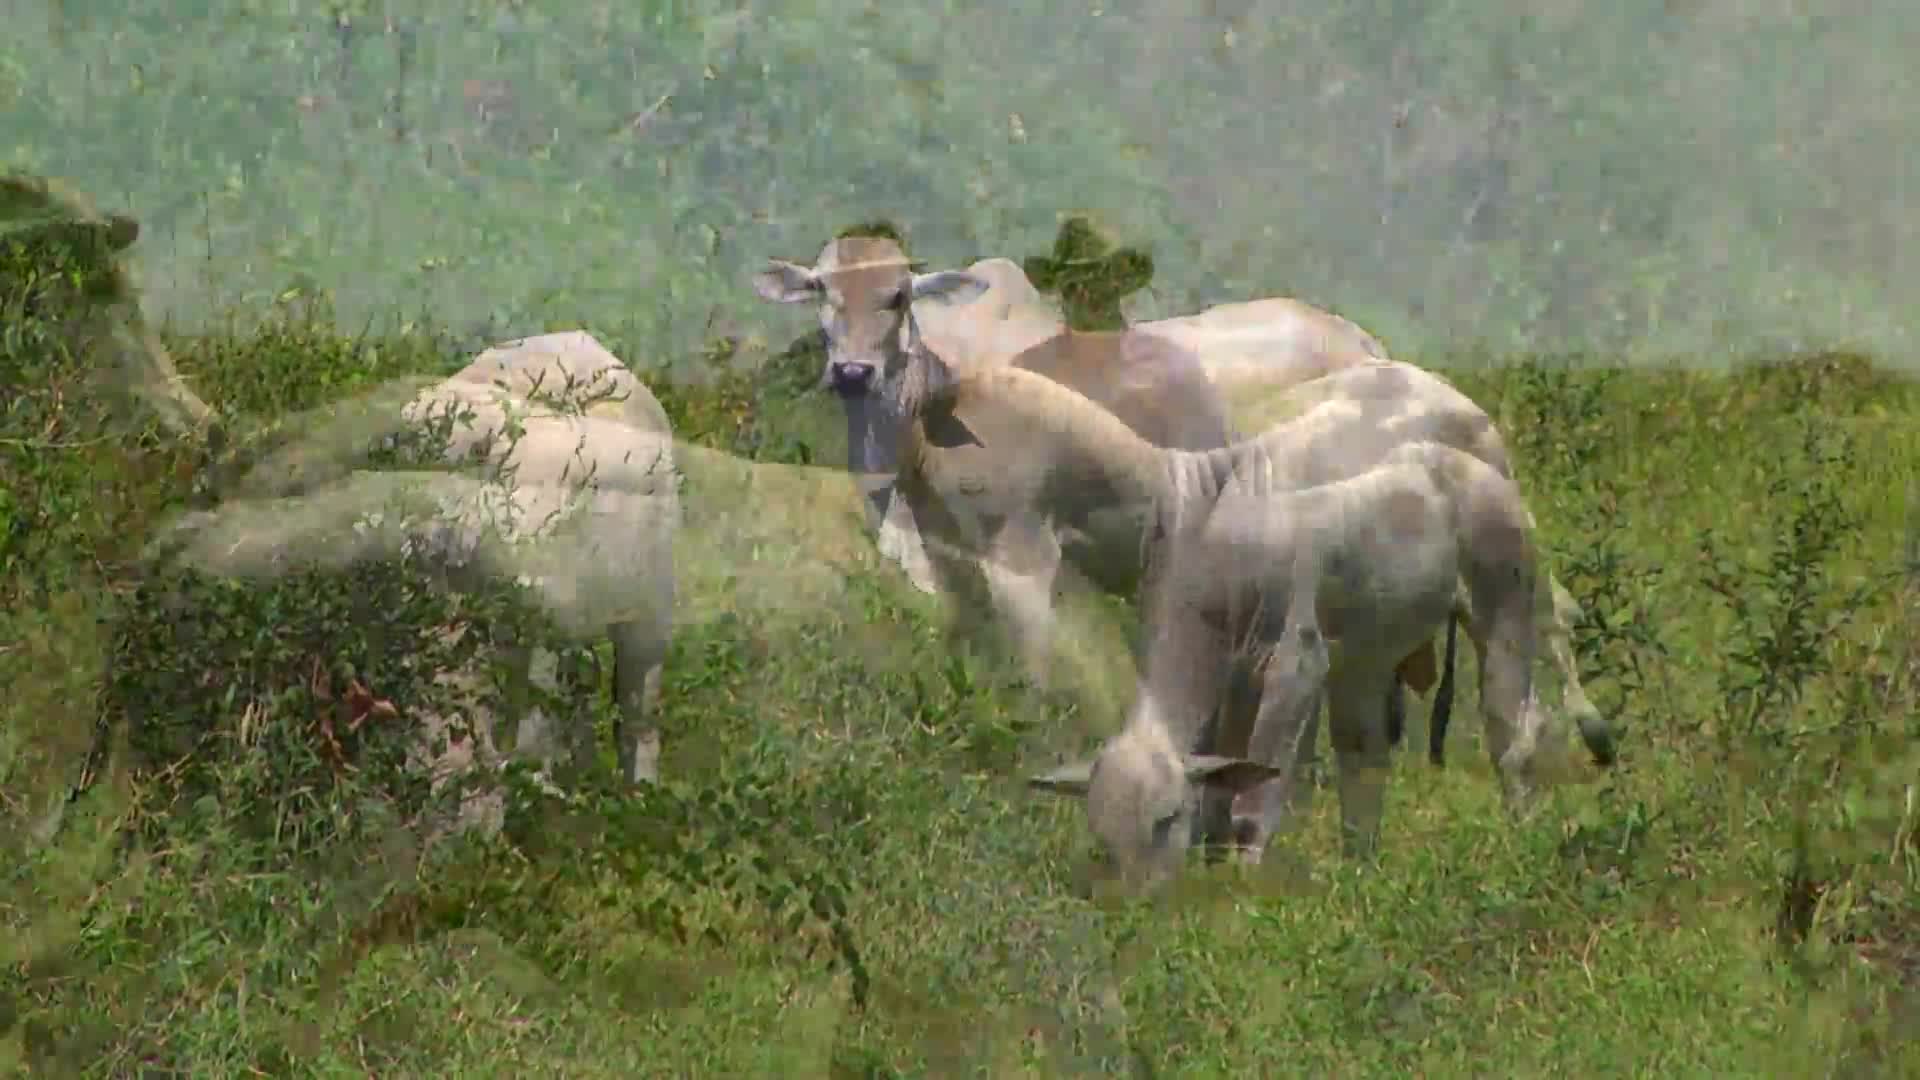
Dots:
(1310, 590)
(1248, 351)
(61, 266)
(1038, 430)
(1005, 483)
(998, 462)
(577, 499)
(1251, 350)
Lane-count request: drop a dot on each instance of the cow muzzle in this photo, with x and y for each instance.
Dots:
(850, 378)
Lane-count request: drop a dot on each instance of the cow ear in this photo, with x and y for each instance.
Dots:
(1233, 775)
(939, 374)
(944, 430)
(786, 283)
(1073, 779)
(952, 286)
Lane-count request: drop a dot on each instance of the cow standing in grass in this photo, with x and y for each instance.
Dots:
(884, 323)
(870, 306)
(1003, 446)
(570, 489)
(990, 315)
(1310, 592)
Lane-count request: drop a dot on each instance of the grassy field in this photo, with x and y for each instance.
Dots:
(844, 875)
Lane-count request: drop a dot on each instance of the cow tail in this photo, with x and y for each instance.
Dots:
(1443, 698)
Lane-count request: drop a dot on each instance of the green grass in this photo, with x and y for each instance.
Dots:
(844, 875)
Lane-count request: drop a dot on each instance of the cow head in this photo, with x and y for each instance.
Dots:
(1142, 798)
(865, 289)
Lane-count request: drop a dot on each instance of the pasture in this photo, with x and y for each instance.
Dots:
(1665, 246)
(843, 874)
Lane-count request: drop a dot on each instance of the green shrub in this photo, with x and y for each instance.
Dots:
(75, 476)
(1088, 275)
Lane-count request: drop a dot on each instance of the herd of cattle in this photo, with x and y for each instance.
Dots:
(1299, 515)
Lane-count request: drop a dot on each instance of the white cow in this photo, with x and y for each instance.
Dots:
(987, 312)
(1006, 461)
(997, 462)
(987, 316)
(1164, 379)
(1313, 589)
(990, 315)
(580, 505)
(1276, 340)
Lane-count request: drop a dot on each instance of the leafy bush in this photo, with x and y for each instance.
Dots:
(65, 302)
(261, 695)
(1089, 277)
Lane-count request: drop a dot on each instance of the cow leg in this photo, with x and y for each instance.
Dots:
(639, 657)
(450, 755)
(1396, 711)
(1284, 730)
(529, 668)
(1557, 631)
(1416, 673)
(1510, 710)
(899, 540)
(557, 721)
(1227, 735)
(965, 594)
(1020, 568)
(1306, 767)
(871, 431)
(552, 732)
(1364, 757)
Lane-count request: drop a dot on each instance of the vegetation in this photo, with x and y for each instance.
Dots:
(1682, 179)
(843, 875)
(1089, 278)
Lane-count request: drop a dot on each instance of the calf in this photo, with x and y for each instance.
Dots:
(1312, 590)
